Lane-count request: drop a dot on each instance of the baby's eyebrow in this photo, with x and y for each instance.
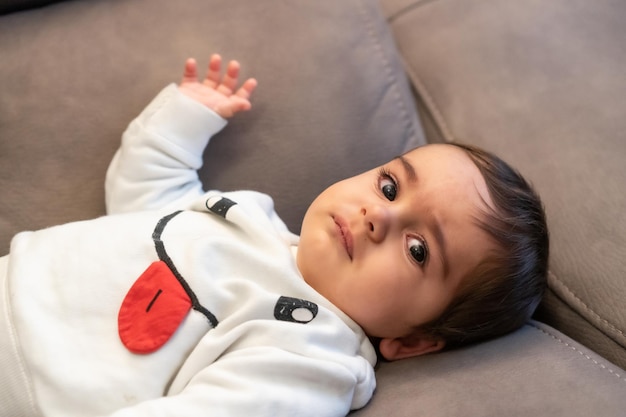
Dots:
(441, 242)
(408, 168)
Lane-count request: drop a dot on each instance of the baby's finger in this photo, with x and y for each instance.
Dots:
(190, 73)
(213, 71)
(246, 90)
(229, 82)
(238, 104)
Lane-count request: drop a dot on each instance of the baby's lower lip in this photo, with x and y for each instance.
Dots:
(344, 235)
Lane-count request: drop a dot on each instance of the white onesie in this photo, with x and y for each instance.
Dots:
(178, 302)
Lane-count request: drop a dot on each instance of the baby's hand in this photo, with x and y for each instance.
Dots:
(217, 94)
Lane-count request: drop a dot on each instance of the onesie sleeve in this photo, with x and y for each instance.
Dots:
(281, 384)
(161, 151)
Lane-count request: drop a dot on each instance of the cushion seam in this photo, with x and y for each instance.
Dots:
(411, 129)
(429, 103)
(407, 9)
(580, 352)
(563, 288)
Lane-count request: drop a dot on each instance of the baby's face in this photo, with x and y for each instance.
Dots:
(390, 247)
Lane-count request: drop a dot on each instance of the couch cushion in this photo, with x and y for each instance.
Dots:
(332, 99)
(541, 84)
(535, 371)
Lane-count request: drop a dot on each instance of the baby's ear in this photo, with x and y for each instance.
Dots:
(406, 347)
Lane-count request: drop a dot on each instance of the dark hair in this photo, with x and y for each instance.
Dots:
(502, 292)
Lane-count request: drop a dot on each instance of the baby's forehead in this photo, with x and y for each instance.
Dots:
(455, 163)
(443, 152)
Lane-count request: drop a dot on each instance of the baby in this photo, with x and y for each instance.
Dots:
(182, 302)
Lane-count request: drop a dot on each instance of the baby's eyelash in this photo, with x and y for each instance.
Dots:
(385, 173)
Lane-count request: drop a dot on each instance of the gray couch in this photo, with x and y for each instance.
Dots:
(344, 86)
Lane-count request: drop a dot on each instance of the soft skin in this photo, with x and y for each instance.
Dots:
(216, 91)
(390, 247)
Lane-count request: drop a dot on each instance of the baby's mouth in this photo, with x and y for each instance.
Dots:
(345, 235)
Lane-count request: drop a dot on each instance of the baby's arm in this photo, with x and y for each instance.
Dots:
(156, 165)
(265, 382)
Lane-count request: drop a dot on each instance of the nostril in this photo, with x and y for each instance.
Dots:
(371, 227)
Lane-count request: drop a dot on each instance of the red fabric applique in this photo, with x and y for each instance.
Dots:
(153, 309)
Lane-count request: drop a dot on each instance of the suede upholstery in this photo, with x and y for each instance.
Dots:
(539, 83)
(536, 371)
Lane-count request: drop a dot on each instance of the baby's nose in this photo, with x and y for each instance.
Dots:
(376, 221)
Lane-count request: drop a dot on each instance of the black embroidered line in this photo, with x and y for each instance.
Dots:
(153, 300)
(163, 256)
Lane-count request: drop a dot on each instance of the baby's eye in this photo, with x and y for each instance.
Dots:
(418, 249)
(388, 186)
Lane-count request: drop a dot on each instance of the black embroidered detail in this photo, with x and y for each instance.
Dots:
(153, 300)
(286, 306)
(163, 256)
(221, 207)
